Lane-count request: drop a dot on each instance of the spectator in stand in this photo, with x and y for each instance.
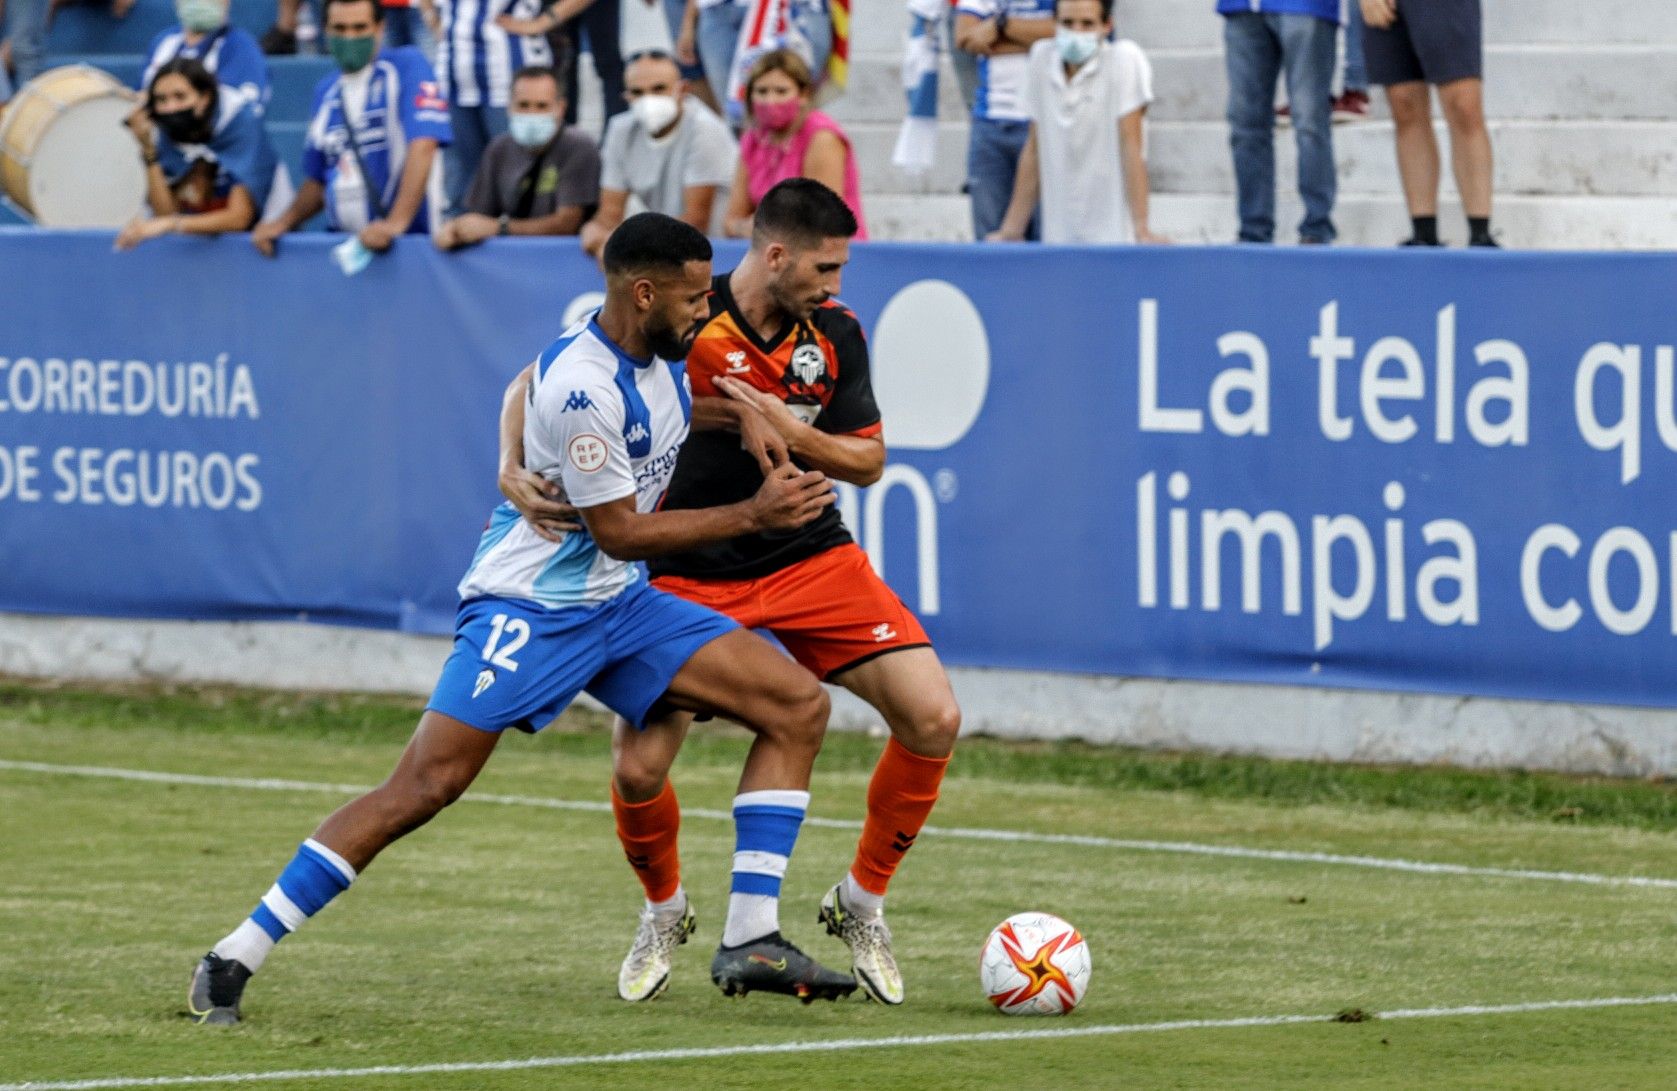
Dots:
(568, 19)
(370, 158)
(788, 138)
(1352, 102)
(669, 152)
(209, 165)
(227, 52)
(541, 178)
(1262, 39)
(710, 34)
(1439, 42)
(411, 22)
(1087, 97)
(692, 72)
(999, 33)
(476, 58)
(25, 47)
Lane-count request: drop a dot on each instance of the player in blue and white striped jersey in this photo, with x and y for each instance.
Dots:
(476, 60)
(542, 620)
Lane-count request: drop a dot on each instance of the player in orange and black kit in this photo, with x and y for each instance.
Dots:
(781, 373)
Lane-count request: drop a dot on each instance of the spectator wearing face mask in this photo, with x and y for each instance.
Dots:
(669, 152)
(788, 138)
(230, 54)
(370, 159)
(541, 178)
(1086, 97)
(209, 165)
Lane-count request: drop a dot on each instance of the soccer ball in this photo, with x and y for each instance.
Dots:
(1034, 964)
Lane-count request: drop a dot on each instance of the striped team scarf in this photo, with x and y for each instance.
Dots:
(917, 139)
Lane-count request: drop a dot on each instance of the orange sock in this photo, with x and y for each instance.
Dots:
(900, 796)
(648, 832)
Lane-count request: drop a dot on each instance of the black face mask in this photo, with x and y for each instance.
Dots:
(183, 126)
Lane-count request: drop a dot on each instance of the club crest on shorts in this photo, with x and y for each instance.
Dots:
(485, 679)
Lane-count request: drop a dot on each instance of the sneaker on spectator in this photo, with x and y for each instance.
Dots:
(1412, 241)
(277, 42)
(1350, 106)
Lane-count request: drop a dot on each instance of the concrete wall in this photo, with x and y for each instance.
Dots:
(1276, 721)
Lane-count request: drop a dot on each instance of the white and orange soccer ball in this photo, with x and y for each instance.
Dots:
(1034, 964)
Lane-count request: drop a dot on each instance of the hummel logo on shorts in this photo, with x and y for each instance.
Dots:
(882, 633)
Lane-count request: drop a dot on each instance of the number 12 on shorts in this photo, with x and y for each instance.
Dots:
(517, 632)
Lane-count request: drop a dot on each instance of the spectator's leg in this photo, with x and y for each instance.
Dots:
(1463, 103)
(603, 20)
(694, 74)
(1356, 68)
(26, 26)
(462, 155)
(398, 32)
(719, 32)
(992, 159)
(1417, 150)
(1252, 55)
(965, 64)
(1307, 50)
(571, 33)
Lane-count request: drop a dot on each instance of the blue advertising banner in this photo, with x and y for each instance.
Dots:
(1440, 472)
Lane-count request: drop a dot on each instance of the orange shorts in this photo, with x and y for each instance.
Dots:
(830, 611)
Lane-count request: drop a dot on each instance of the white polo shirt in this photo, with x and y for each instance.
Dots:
(1077, 138)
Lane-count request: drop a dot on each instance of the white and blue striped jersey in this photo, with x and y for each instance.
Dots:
(1001, 78)
(604, 426)
(476, 59)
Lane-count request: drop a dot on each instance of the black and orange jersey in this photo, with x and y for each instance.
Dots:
(819, 367)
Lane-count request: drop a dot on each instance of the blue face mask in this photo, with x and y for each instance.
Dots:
(1076, 46)
(532, 130)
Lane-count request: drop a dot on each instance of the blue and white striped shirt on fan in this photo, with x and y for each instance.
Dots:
(476, 58)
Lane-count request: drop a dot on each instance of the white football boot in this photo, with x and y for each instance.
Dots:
(646, 969)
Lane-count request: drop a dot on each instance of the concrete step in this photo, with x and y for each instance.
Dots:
(1378, 220)
(1175, 24)
(1609, 82)
(1624, 158)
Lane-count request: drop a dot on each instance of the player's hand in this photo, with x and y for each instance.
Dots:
(766, 405)
(1379, 14)
(378, 236)
(791, 497)
(537, 499)
(762, 440)
(264, 235)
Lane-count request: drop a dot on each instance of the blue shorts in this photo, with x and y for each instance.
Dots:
(519, 664)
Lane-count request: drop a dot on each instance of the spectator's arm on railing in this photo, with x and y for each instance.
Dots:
(1027, 188)
(236, 215)
(310, 199)
(1136, 188)
(416, 175)
(613, 203)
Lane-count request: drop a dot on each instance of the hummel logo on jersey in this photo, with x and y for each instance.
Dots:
(485, 679)
(882, 633)
(737, 364)
(577, 400)
(636, 434)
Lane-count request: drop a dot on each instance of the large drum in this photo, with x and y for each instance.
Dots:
(65, 155)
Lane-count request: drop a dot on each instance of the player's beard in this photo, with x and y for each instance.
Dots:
(795, 306)
(668, 344)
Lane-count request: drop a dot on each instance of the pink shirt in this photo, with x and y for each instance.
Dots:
(767, 163)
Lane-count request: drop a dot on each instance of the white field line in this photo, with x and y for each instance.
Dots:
(837, 1045)
(965, 833)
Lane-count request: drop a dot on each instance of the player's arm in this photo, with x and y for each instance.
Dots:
(535, 497)
(788, 499)
(858, 459)
(756, 433)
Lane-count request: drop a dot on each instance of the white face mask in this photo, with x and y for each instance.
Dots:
(655, 112)
(1076, 46)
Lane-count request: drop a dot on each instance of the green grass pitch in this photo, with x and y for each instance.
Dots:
(494, 934)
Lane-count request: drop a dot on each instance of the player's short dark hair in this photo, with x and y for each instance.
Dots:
(651, 242)
(802, 213)
(1106, 9)
(326, 9)
(540, 72)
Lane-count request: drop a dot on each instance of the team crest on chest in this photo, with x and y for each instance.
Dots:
(809, 364)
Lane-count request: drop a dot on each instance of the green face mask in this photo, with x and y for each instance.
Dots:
(352, 54)
(200, 16)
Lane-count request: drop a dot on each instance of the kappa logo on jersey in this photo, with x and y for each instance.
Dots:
(883, 632)
(588, 453)
(485, 679)
(737, 364)
(637, 434)
(430, 96)
(578, 400)
(809, 364)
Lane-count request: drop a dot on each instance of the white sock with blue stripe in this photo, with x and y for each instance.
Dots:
(314, 877)
(765, 829)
